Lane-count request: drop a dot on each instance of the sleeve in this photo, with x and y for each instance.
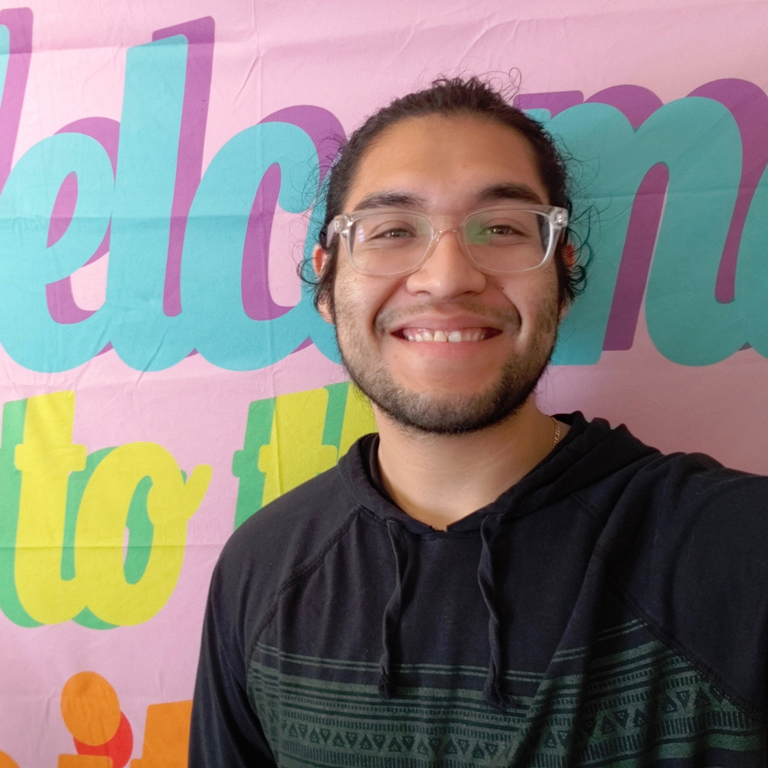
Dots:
(698, 566)
(225, 731)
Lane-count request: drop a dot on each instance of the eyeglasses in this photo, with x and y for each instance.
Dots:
(504, 239)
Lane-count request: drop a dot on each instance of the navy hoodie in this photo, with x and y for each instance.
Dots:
(610, 609)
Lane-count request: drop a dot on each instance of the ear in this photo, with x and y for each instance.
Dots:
(319, 261)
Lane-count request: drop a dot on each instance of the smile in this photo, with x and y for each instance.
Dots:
(432, 334)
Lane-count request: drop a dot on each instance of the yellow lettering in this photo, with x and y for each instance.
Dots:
(101, 525)
(358, 419)
(296, 452)
(45, 458)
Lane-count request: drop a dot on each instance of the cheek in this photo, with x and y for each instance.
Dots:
(360, 299)
(533, 295)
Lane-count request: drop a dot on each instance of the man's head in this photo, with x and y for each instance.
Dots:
(450, 345)
(451, 97)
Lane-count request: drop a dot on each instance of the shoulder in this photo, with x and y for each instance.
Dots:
(690, 550)
(286, 538)
(689, 504)
(680, 490)
(292, 529)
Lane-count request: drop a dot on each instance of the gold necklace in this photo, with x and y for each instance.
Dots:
(557, 431)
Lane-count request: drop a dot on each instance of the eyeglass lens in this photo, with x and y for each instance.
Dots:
(501, 240)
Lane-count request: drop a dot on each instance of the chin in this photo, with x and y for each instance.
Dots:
(451, 417)
(450, 413)
(434, 399)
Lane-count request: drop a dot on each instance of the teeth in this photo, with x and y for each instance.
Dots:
(425, 334)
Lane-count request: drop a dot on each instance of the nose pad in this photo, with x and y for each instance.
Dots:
(459, 241)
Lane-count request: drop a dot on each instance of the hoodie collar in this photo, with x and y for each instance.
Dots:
(591, 450)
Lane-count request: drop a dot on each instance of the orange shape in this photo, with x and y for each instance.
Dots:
(166, 736)
(119, 747)
(6, 761)
(84, 761)
(90, 708)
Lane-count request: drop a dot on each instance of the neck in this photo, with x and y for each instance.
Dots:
(439, 479)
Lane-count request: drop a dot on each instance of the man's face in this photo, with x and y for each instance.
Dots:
(507, 323)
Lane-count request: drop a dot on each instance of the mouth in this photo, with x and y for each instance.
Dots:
(446, 335)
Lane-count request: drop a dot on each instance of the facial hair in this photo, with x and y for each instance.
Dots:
(451, 414)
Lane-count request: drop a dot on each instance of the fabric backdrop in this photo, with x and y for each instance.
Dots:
(162, 373)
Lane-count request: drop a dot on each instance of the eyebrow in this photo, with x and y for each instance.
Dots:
(521, 192)
(506, 191)
(390, 200)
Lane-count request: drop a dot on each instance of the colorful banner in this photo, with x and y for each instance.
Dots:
(163, 374)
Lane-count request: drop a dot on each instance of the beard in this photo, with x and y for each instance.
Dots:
(452, 414)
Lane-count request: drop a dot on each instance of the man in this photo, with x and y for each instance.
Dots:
(481, 584)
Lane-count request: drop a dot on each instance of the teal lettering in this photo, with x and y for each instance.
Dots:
(143, 336)
(696, 138)
(211, 266)
(10, 492)
(245, 463)
(29, 333)
(699, 142)
(752, 273)
(702, 147)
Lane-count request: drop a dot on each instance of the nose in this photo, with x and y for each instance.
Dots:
(447, 271)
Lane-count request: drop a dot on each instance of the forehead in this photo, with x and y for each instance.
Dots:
(445, 162)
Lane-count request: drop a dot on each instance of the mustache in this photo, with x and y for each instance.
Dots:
(390, 317)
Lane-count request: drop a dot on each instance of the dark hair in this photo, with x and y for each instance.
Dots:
(447, 97)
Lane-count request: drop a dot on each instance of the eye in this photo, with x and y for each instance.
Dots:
(392, 231)
(501, 230)
(388, 230)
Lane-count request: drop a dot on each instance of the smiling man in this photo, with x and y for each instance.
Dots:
(481, 583)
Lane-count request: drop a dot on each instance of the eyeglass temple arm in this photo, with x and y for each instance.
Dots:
(334, 225)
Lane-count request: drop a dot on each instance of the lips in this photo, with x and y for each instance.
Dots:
(455, 325)
(446, 335)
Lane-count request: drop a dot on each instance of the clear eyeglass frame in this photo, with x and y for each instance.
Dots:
(342, 225)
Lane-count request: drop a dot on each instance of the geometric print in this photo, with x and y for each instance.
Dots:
(644, 705)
